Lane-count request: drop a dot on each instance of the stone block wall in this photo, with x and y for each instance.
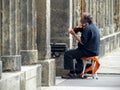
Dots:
(29, 78)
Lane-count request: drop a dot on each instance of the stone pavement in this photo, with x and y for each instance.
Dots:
(109, 76)
(110, 63)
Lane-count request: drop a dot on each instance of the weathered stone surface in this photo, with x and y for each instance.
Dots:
(10, 82)
(24, 80)
(39, 77)
(0, 68)
(5, 28)
(12, 30)
(59, 21)
(60, 65)
(23, 24)
(0, 27)
(29, 57)
(31, 79)
(43, 29)
(11, 63)
(59, 28)
(48, 72)
(10, 49)
(109, 43)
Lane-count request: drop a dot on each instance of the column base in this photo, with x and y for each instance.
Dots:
(60, 66)
(48, 72)
(11, 63)
(0, 69)
(29, 57)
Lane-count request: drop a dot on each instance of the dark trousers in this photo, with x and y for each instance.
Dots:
(69, 56)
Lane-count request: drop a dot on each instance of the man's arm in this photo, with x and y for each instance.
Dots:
(76, 36)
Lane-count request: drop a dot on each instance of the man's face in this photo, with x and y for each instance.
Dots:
(82, 19)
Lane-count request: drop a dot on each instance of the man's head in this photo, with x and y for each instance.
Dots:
(86, 18)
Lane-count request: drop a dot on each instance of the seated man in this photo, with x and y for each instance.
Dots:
(88, 45)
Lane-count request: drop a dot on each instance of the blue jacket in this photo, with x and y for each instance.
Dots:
(90, 37)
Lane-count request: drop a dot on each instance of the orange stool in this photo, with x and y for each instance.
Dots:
(94, 60)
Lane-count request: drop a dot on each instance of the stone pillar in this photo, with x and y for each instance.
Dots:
(0, 69)
(43, 42)
(0, 36)
(43, 29)
(60, 17)
(111, 17)
(102, 17)
(119, 14)
(28, 50)
(71, 22)
(0, 26)
(10, 58)
(95, 11)
(116, 13)
(106, 28)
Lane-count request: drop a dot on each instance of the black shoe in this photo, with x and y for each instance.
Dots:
(70, 76)
(82, 77)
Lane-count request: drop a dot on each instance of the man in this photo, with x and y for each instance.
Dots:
(88, 45)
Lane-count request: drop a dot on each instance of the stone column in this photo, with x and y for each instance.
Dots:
(111, 17)
(71, 22)
(0, 36)
(106, 28)
(94, 12)
(102, 17)
(0, 69)
(10, 58)
(0, 26)
(43, 42)
(118, 15)
(43, 30)
(28, 50)
(60, 16)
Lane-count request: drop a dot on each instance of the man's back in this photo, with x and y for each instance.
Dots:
(91, 40)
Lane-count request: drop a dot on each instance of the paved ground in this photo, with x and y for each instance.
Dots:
(110, 63)
(109, 76)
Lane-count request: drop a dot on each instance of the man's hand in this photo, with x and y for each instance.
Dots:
(76, 36)
(72, 32)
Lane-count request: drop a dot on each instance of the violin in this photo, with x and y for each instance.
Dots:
(79, 28)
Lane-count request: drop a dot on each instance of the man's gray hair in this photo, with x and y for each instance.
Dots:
(87, 17)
